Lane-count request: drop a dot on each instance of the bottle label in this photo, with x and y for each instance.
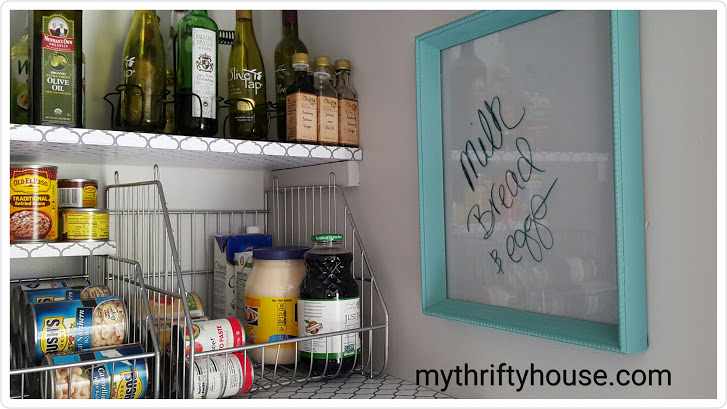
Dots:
(245, 83)
(348, 122)
(269, 319)
(19, 96)
(302, 117)
(324, 316)
(327, 120)
(204, 78)
(58, 70)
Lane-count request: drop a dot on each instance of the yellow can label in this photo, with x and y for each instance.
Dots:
(128, 385)
(269, 319)
(89, 196)
(33, 203)
(53, 335)
(86, 226)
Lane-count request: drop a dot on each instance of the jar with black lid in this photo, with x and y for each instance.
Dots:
(329, 301)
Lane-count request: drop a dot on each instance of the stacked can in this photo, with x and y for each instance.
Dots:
(80, 217)
(17, 309)
(215, 376)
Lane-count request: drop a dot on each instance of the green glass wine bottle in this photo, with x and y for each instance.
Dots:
(195, 100)
(143, 72)
(246, 83)
(19, 71)
(56, 68)
(288, 45)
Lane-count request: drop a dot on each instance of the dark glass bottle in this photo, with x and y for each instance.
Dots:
(56, 88)
(300, 104)
(195, 100)
(329, 301)
(284, 73)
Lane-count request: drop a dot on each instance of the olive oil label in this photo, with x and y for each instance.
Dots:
(324, 316)
(348, 122)
(327, 120)
(204, 76)
(58, 72)
(19, 96)
(269, 319)
(301, 117)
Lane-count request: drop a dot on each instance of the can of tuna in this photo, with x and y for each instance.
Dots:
(221, 376)
(84, 224)
(74, 326)
(17, 308)
(58, 294)
(118, 380)
(77, 193)
(209, 335)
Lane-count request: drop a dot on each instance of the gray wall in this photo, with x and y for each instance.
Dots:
(678, 69)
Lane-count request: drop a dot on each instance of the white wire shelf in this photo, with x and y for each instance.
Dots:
(39, 144)
(62, 249)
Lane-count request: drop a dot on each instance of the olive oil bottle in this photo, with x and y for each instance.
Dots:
(56, 91)
(288, 45)
(246, 83)
(19, 91)
(143, 71)
(300, 104)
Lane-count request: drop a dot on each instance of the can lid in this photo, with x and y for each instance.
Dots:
(32, 166)
(253, 230)
(320, 238)
(77, 180)
(279, 253)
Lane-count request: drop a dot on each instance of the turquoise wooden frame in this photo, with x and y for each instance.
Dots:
(630, 334)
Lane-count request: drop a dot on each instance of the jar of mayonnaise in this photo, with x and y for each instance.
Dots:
(271, 294)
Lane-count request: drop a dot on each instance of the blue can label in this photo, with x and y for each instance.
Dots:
(122, 380)
(66, 293)
(79, 325)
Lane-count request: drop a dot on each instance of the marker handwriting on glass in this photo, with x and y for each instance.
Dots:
(534, 235)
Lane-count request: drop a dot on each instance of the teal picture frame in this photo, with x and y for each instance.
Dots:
(629, 335)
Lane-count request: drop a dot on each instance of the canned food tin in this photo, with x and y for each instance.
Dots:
(77, 193)
(84, 224)
(210, 335)
(118, 380)
(75, 325)
(164, 330)
(33, 203)
(216, 377)
(17, 309)
(58, 294)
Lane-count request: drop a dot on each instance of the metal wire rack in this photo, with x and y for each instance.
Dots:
(124, 279)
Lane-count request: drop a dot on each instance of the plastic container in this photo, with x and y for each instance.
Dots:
(271, 294)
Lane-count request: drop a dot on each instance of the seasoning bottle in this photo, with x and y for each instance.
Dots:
(271, 294)
(329, 301)
(347, 105)
(300, 104)
(327, 102)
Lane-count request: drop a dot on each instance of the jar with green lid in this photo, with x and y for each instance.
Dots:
(271, 294)
(329, 301)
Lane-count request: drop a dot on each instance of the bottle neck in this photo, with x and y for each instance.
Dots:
(243, 26)
(198, 12)
(300, 67)
(343, 77)
(290, 23)
(290, 30)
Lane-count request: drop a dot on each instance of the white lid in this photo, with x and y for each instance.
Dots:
(253, 230)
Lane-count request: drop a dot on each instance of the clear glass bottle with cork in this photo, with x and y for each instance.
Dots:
(327, 102)
(347, 105)
(300, 104)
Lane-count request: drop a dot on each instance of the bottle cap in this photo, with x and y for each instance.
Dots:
(300, 58)
(253, 230)
(321, 238)
(290, 16)
(322, 60)
(343, 65)
(246, 14)
(279, 253)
